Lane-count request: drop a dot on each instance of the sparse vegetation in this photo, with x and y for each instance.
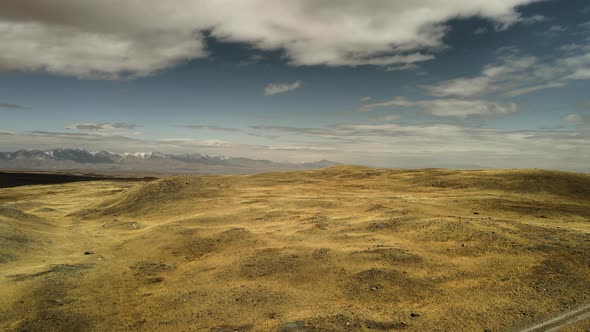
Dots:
(343, 248)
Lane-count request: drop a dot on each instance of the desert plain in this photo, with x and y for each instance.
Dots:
(344, 248)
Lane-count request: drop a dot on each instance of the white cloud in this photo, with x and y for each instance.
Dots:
(487, 82)
(533, 19)
(365, 99)
(578, 65)
(446, 107)
(68, 50)
(447, 145)
(210, 128)
(380, 144)
(534, 88)
(514, 75)
(462, 87)
(464, 108)
(188, 142)
(574, 48)
(557, 28)
(102, 126)
(277, 88)
(110, 38)
(480, 31)
(408, 66)
(384, 118)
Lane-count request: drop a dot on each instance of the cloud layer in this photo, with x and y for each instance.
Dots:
(445, 107)
(211, 128)
(389, 145)
(110, 39)
(103, 126)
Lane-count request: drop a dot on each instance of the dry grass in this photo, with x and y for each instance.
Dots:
(345, 248)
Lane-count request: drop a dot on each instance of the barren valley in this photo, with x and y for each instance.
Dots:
(339, 249)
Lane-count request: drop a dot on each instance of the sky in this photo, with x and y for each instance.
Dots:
(385, 83)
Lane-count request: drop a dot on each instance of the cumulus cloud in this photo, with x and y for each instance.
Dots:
(514, 74)
(446, 107)
(113, 39)
(102, 126)
(95, 51)
(277, 88)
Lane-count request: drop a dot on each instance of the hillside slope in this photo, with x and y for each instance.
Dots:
(342, 248)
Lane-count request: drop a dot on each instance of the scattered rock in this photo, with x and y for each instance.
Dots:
(88, 253)
(155, 280)
(414, 314)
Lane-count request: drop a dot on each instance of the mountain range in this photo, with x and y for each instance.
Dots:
(83, 160)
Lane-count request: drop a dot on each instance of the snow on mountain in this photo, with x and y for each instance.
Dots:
(152, 161)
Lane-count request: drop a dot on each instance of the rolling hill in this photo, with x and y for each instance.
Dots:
(338, 249)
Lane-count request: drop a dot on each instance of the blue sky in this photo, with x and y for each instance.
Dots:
(383, 83)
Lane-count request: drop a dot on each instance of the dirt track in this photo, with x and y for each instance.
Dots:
(558, 323)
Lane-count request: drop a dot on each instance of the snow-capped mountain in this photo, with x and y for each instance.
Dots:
(75, 155)
(79, 159)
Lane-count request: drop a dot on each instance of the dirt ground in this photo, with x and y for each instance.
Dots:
(340, 249)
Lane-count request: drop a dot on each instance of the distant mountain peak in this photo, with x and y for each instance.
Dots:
(68, 158)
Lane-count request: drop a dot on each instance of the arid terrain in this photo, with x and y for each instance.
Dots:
(340, 249)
